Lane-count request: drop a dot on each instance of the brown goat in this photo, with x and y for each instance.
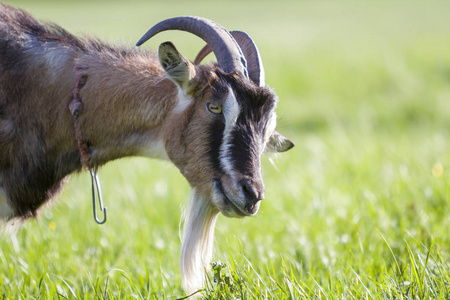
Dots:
(213, 122)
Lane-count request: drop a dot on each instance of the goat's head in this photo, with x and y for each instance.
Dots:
(224, 119)
(222, 122)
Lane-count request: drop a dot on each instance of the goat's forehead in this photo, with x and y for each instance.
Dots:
(258, 101)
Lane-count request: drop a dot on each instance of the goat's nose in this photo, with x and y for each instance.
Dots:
(253, 191)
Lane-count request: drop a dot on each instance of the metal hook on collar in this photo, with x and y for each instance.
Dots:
(96, 185)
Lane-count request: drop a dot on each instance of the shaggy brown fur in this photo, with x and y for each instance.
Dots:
(132, 104)
(37, 145)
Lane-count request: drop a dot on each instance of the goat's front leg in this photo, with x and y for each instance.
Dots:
(6, 212)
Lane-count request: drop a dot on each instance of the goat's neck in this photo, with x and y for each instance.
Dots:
(125, 102)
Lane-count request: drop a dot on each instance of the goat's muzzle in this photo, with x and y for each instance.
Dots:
(253, 193)
(240, 198)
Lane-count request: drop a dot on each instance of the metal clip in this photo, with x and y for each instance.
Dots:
(96, 185)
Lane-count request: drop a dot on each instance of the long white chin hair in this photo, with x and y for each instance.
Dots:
(198, 238)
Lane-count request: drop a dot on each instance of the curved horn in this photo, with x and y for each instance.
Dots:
(255, 67)
(229, 55)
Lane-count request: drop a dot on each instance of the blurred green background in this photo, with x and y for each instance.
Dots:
(358, 209)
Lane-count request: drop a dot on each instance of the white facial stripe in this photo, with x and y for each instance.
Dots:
(231, 111)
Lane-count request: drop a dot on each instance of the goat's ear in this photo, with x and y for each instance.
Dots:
(278, 143)
(179, 69)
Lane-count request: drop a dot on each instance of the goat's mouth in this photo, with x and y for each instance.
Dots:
(230, 208)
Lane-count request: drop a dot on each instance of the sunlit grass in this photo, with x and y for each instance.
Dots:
(359, 209)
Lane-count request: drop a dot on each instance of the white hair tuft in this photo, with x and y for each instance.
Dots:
(198, 237)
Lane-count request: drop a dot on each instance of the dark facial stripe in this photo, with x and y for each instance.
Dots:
(245, 150)
(248, 134)
(216, 137)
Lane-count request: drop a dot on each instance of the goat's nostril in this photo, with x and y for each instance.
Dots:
(250, 191)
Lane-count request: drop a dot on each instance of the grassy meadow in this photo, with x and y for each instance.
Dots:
(359, 209)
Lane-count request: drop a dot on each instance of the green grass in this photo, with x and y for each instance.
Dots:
(359, 209)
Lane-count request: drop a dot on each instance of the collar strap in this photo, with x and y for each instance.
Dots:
(76, 108)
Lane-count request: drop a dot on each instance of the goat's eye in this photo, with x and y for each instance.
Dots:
(215, 109)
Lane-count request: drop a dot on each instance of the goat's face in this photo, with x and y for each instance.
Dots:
(218, 130)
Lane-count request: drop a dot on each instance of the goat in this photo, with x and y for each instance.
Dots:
(213, 122)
